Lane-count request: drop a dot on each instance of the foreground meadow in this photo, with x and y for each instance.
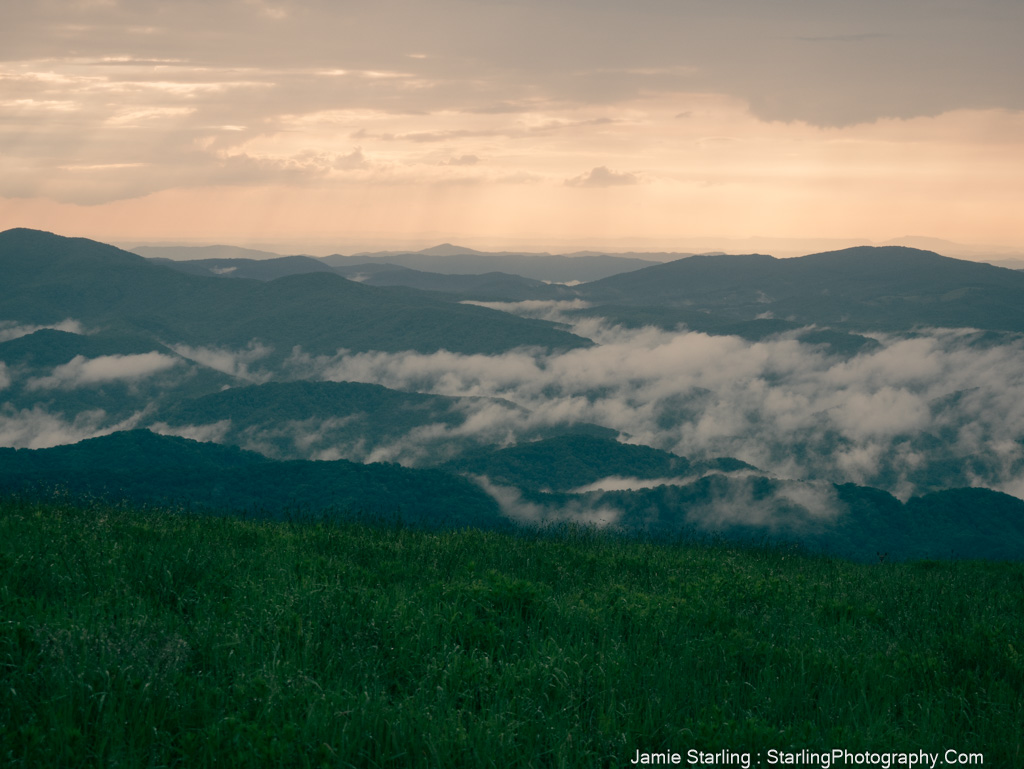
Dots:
(141, 638)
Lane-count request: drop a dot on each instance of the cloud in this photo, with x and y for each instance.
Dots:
(512, 505)
(210, 433)
(717, 504)
(269, 84)
(853, 38)
(620, 483)
(936, 410)
(83, 372)
(463, 160)
(355, 159)
(37, 428)
(881, 59)
(790, 506)
(484, 423)
(10, 329)
(267, 108)
(602, 177)
(370, 436)
(236, 363)
(553, 310)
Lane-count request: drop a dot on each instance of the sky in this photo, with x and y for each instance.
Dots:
(336, 125)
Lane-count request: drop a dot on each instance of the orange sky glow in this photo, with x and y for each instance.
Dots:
(316, 128)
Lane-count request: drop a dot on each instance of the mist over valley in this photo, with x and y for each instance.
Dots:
(858, 401)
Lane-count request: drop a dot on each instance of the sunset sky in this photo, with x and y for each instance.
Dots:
(336, 125)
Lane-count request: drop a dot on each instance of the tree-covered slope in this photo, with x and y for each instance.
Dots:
(49, 278)
(50, 347)
(567, 462)
(255, 269)
(539, 483)
(490, 286)
(889, 287)
(856, 522)
(352, 420)
(557, 268)
(145, 468)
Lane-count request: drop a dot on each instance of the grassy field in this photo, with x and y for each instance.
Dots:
(133, 638)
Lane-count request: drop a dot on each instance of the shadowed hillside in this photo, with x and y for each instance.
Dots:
(50, 278)
(889, 287)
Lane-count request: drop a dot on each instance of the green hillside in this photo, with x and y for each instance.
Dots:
(152, 639)
(147, 469)
(567, 462)
(533, 483)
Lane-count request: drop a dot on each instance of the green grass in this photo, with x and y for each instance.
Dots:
(143, 639)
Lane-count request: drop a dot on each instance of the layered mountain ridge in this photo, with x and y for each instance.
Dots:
(842, 400)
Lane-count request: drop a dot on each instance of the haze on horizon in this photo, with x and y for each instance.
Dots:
(651, 124)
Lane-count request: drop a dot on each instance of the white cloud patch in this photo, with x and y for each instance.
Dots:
(37, 428)
(791, 507)
(544, 309)
(210, 433)
(83, 372)
(512, 505)
(486, 423)
(236, 363)
(5, 377)
(10, 329)
(602, 176)
(367, 437)
(621, 483)
(462, 160)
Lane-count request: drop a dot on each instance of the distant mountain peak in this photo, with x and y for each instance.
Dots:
(448, 249)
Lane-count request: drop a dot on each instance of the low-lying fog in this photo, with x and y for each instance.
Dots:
(939, 408)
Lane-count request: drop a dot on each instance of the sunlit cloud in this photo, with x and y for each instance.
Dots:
(753, 123)
(602, 177)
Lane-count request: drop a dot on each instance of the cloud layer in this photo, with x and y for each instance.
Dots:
(931, 410)
(39, 428)
(480, 119)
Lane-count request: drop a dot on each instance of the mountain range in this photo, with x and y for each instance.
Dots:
(52, 278)
(871, 288)
(884, 383)
(862, 288)
(445, 259)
